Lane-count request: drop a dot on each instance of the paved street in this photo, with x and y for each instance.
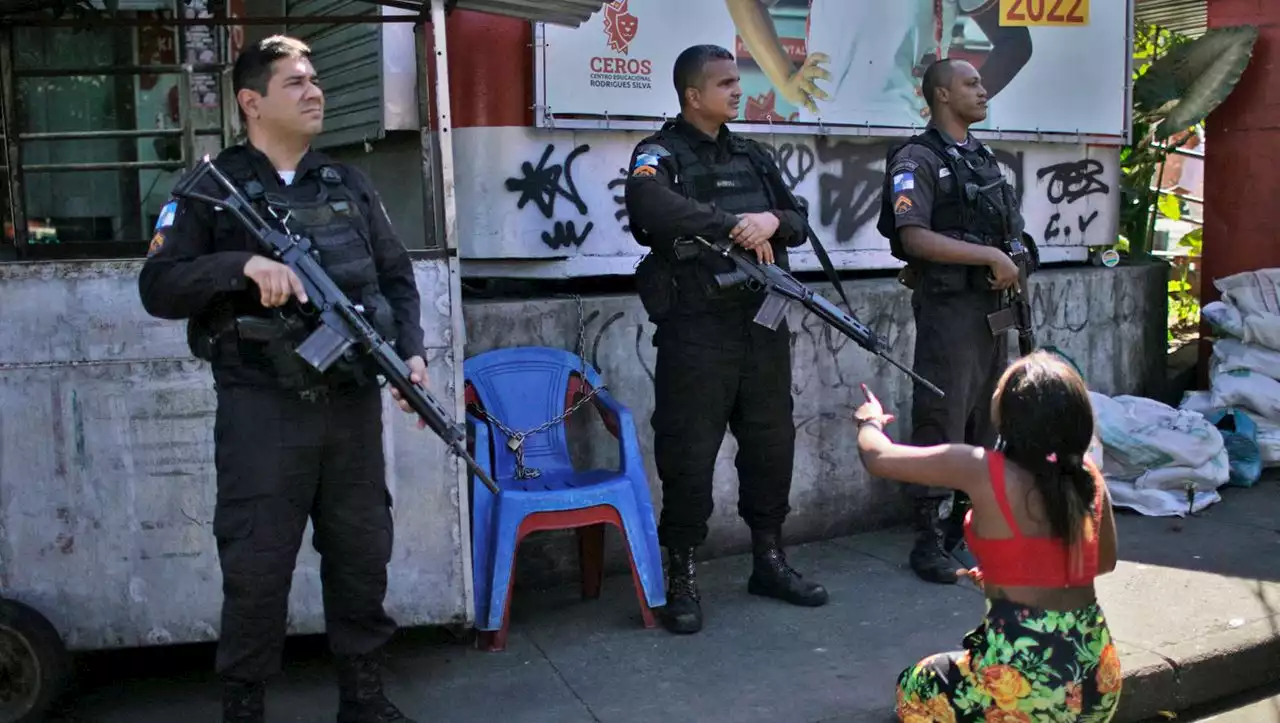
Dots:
(1194, 606)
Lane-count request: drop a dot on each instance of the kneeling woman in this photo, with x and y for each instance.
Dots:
(1042, 529)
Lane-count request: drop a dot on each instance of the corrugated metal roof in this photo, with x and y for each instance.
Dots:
(560, 12)
(348, 59)
(1188, 17)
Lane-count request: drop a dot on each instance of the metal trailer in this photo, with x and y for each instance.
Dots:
(106, 421)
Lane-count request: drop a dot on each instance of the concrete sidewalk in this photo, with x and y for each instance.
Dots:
(1194, 604)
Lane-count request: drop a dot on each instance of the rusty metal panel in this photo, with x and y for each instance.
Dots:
(106, 469)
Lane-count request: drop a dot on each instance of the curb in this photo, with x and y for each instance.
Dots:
(1193, 672)
(1184, 676)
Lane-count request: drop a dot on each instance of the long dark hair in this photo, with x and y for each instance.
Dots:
(1045, 421)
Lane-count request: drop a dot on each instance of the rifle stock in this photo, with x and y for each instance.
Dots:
(782, 288)
(341, 330)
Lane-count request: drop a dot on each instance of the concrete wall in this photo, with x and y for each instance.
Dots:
(106, 468)
(1110, 321)
(106, 474)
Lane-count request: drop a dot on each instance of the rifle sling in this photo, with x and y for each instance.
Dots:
(826, 265)
(775, 177)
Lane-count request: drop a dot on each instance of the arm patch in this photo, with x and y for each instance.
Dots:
(903, 181)
(164, 221)
(167, 214)
(903, 165)
(648, 157)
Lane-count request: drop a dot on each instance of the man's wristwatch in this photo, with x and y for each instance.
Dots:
(870, 422)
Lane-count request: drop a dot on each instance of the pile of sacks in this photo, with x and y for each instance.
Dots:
(1163, 461)
(1158, 460)
(1243, 400)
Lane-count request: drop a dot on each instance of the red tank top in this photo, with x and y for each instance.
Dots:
(1021, 561)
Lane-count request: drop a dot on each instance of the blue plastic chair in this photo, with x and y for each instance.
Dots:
(522, 388)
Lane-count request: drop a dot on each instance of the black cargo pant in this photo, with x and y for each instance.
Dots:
(956, 351)
(712, 371)
(281, 459)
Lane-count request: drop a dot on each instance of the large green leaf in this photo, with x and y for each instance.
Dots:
(1195, 77)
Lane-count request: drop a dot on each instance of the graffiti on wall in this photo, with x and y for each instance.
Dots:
(1065, 184)
(526, 193)
(542, 185)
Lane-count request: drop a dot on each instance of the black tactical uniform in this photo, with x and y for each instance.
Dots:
(289, 443)
(715, 366)
(957, 190)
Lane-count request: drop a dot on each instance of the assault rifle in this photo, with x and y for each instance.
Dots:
(340, 328)
(782, 289)
(1018, 314)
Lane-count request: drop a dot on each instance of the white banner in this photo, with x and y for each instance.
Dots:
(1050, 66)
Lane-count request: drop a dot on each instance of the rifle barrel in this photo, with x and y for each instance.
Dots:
(782, 283)
(832, 315)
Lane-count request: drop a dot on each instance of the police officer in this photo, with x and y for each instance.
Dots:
(715, 366)
(290, 444)
(946, 209)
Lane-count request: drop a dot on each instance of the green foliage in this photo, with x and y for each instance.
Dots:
(1184, 85)
(1184, 306)
(1177, 83)
(1170, 206)
(1194, 242)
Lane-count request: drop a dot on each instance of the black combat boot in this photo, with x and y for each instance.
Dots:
(953, 542)
(243, 702)
(360, 697)
(771, 576)
(683, 611)
(928, 559)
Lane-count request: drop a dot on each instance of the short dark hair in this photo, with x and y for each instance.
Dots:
(690, 64)
(255, 65)
(938, 75)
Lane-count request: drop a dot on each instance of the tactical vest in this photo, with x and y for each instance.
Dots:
(341, 237)
(735, 186)
(980, 207)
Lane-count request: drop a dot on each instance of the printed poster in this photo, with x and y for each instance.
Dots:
(1049, 66)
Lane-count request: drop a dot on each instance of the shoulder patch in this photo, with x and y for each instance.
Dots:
(904, 181)
(648, 156)
(902, 205)
(653, 149)
(167, 215)
(157, 242)
(903, 165)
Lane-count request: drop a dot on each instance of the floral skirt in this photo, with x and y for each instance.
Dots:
(1020, 665)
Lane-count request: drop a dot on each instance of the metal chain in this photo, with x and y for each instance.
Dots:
(515, 440)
